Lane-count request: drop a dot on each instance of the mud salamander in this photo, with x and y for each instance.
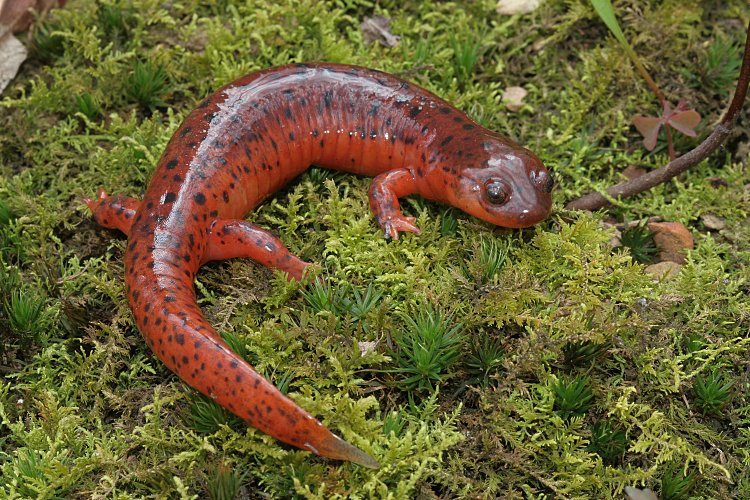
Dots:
(249, 139)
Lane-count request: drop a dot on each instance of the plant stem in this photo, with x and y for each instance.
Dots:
(594, 201)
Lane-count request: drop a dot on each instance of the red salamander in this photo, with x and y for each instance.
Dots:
(251, 138)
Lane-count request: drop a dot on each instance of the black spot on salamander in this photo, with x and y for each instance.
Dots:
(221, 161)
(246, 169)
(409, 140)
(171, 164)
(314, 132)
(274, 145)
(425, 129)
(177, 178)
(328, 98)
(170, 197)
(185, 360)
(288, 93)
(180, 338)
(322, 143)
(192, 145)
(374, 109)
(291, 136)
(302, 101)
(446, 140)
(218, 144)
(288, 113)
(413, 112)
(373, 135)
(423, 157)
(388, 121)
(200, 198)
(467, 126)
(225, 195)
(147, 307)
(445, 110)
(158, 321)
(458, 119)
(136, 294)
(213, 213)
(169, 298)
(208, 117)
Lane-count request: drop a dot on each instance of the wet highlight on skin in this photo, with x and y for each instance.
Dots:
(251, 138)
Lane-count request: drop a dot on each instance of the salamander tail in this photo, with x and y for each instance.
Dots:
(336, 448)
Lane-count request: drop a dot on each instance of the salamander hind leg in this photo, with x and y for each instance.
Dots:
(113, 212)
(384, 193)
(239, 238)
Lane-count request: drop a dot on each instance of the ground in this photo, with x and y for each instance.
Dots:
(537, 363)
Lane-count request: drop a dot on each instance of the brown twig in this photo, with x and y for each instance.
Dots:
(594, 201)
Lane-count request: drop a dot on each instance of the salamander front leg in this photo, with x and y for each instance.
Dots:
(239, 238)
(384, 193)
(113, 212)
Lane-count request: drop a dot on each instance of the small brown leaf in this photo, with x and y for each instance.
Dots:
(672, 239)
(631, 172)
(513, 98)
(713, 222)
(12, 55)
(510, 7)
(377, 29)
(639, 494)
(666, 269)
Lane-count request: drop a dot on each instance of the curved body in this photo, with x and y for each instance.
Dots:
(249, 139)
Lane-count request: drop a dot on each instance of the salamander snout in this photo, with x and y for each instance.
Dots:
(510, 188)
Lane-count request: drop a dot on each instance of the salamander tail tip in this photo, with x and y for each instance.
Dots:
(338, 449)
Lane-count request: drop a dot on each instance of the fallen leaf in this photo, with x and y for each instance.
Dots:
(366, 347)
(513, 98)
(672, 239)
(639, 494)
(713, 222)
(377, 29)
(664, 270)
(631, 172)
(18, 15)
(510, 7)
(12, 55)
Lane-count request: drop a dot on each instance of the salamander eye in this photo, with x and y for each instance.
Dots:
(497, 192)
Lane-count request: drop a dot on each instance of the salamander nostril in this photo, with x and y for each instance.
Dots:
(549, 184)
(543, 180)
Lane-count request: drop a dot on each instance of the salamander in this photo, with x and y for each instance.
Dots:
(249, 139)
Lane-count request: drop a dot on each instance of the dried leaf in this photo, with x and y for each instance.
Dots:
(639, 494)
(510, 7)
(672, 239)
(513, 98)
(18, 15)
(377, 29)
(12, 55)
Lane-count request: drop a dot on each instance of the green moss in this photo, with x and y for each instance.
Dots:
(86, 410)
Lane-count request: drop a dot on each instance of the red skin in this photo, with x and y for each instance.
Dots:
(251, 138)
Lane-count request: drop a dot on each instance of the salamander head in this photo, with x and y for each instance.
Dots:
(511, 189)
